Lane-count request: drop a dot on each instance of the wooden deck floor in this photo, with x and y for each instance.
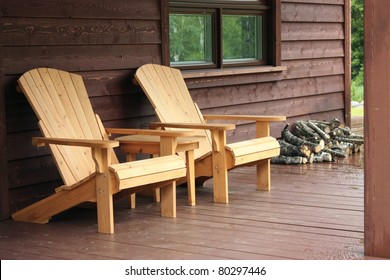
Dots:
(313, 212)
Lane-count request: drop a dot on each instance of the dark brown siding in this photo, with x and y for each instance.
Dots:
(313, 86)
(4, 207)
(106, 41)
(313, 46)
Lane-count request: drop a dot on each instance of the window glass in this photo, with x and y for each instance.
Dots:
(209, 34)
(242, 37)
(190, 38)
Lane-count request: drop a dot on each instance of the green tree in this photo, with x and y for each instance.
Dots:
(357, 59)
(357, 41)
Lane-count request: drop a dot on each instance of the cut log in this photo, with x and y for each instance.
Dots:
(287, 149)
(349, 140)
(323, 157)
(305, 130)
(292, 139)
(319, 131)
(336, 152)
(317, 141)
(288, 160)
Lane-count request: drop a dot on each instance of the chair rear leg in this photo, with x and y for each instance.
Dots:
(264, 175)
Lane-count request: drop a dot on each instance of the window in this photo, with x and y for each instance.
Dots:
(220, 34)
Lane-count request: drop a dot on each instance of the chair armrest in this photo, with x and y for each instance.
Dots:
(163, 133)
(100, 144)
(208, 126)
(246, 118)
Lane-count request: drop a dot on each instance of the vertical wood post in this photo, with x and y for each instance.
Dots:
(165, 60)
(347, 61)
(168, 192)
(105, 207)
(377, 128)
(4, 200)
(220, 177)
(190, 158)
(263, 167)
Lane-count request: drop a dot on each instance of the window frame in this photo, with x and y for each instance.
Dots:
(272, 29)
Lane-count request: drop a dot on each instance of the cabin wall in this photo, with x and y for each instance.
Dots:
(314, 86)
(106, 41)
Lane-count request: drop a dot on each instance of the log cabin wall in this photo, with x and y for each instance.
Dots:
(106, 41)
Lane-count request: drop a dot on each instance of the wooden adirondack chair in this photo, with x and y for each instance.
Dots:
(169, 95)
(85, 156)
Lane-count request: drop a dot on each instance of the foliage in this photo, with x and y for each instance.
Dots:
(357, 14)
(357, 91)
(191, 37)
(357, 60)
(239, 37)
(357, 112)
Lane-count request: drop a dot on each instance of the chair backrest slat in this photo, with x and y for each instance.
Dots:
(169, 95)
(61, 103)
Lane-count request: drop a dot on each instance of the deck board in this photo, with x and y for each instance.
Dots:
(312, 212)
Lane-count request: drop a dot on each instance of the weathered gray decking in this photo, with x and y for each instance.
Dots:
(313, 212)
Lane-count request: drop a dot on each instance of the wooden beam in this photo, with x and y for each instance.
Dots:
(277, 7)
(165, 33)
(377, 128)
(347, 59)
(4, 201)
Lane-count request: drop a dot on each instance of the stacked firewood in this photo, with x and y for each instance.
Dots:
(316, 141)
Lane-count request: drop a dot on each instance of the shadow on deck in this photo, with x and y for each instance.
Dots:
(312, 212)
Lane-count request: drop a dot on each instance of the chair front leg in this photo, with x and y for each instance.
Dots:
(104, 199)
(168, 192)
(220, 176)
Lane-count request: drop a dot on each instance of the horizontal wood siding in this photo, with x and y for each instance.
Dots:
(313, 86)
(104, 41)
(313, 45)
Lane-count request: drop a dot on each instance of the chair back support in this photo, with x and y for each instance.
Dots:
(61, 103)
(171, 100)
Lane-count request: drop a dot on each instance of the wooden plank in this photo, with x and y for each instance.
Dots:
(81, 106)
(328, 2)
(347, 58)
(168, 94)
(294, 221)
(230, 80)
(19, 146)
(80, 58)
(300, 31)
(46, 208)
(4, 198)
(312, 13)
(261, 92)
(146, 167)
(245, 147)
(165, 32)
(73, 167)
(120, 9)
(312, 49)
(54, 31)
(313, 68)
(377, 129)
(30, 171)
(294, 107)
